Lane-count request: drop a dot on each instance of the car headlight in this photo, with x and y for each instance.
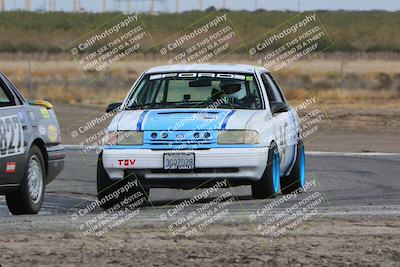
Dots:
(123, 138)
(238, 137)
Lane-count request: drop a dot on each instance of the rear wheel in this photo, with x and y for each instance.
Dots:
(28, 198)
(111, 193)
(296, 178)
(268, 186)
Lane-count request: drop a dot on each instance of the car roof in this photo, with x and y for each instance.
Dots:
(220, 67)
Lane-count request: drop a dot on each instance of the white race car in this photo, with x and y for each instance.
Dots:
(185, 126)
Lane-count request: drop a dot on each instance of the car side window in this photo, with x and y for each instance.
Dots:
(272, 89)
(275, 88)
(19, 99)
(270, 94)
(6, 98)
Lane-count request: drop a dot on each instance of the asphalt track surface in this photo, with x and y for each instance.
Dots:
(349, 183)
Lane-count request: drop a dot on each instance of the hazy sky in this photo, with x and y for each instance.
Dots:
(170, 5)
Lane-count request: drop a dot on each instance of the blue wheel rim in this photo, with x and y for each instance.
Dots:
(302, 166)
(276, 173)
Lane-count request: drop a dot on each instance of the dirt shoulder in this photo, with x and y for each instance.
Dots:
(354, 241)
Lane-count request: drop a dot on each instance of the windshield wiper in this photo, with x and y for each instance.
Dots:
(231, 106)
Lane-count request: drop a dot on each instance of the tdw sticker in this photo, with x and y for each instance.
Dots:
(127, 162)
(10, 167)
(11, 136)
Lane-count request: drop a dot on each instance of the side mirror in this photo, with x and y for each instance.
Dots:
(113, 106)
(278, 107)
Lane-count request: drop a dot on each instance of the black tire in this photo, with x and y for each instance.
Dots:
(26, 199)
(107, 186)
(267, 186)
(296, 178)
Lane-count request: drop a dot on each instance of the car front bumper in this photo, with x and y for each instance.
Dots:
(230, 163)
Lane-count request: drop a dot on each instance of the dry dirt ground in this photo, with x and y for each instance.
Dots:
(354, 241)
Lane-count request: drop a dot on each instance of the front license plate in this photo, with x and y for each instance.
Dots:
(178, 161)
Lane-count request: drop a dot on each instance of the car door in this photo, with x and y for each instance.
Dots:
(282, 120)
(12, 136)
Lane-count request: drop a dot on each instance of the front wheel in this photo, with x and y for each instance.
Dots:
(268, 186)
(296, 178)
(28, 198)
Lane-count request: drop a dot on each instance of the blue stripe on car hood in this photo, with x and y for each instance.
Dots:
(140, 120)
(181, 120)
(227, 117)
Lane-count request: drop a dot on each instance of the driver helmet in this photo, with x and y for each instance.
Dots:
(233, 89)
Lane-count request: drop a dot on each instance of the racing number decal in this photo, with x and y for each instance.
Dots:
(11, 136)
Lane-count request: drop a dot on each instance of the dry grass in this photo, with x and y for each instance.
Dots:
(324, 67)
(342, 94)
(87, 96)
(61, 80)
(70, 69)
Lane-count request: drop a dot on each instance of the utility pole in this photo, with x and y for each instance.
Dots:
(129, 6)
(200, 5)
(2, 7)
(299, 5)
(224, 4)
(28, 5)
(152, 7)
(177, 6)
(53, 5)
(104, 5)
(29, 85)
(255, 4)
(77, 5)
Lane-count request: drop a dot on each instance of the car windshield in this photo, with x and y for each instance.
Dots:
(196, 90)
